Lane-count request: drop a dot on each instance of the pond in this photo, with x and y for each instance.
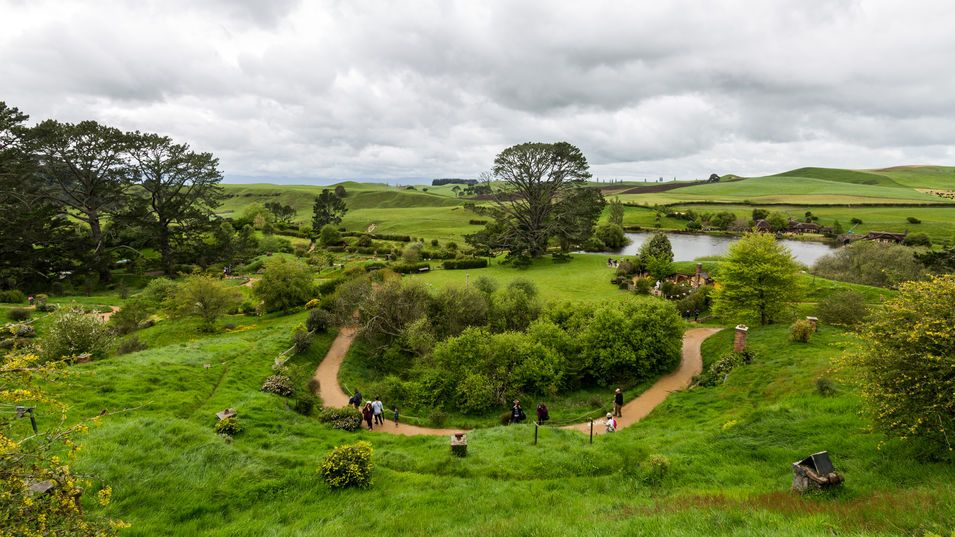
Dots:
(687, 247)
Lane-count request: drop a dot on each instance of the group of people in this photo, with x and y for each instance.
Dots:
(517, 413)
(373, 412)
(613, 263)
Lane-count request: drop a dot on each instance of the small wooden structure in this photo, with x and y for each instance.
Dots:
(227, 413)
(815, 472)
(459, 444)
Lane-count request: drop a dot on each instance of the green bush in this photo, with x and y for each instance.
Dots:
(721, 368)
(801, 331)
(917, 239)
(304, 403)
(301, 339)
(279, 385)
(825, 386)
(130, 345)
(438, 418)
(18, 314)
(913, 220)
(229, 426)
(130, 317)
(410, 267)
(318, 321)
(203, 297)
(12, 296)
(611, 235)
(345, 418)
(348, 466)
(329, 235)
(843, 308)
(73, 333)
(285, 284)
(464, 263)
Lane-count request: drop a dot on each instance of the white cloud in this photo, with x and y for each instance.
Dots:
(305, 90)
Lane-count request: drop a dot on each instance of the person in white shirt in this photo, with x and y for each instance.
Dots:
(377, 407)
(611, 423)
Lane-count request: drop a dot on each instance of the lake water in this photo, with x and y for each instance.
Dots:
(688, 247)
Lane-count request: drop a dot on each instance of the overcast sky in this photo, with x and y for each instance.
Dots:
(293, 91)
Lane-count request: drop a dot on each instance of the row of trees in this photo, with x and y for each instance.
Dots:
(116, 184)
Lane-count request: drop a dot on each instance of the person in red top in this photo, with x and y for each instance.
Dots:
(367, 413)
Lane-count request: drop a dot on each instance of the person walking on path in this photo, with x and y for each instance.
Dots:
(378, 409)
(611, 423)
(517, 413)
(356, 399)
(367, 413)
(618, 403)
(396, 416)
(542, 414)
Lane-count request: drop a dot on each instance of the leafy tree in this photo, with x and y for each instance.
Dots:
(575, 215)
(760, 214)
(615, 213)
(534, 178)
(286, 283)
(181, 190)
(282, 213)
(722, 220)
(328, 209)
(44, 457)
(513, 309)
(87, 168)
(203, 297)
(36, 239)
(757, 280)
(385, 310)
(843, 308)
(456, 308)
(907, 360)
(656, 256)
(837, 228)
(778, 221)
(917, 239)
(870, 263)
(939, 261)
(329, 235)
(611, 235)
(340, 191)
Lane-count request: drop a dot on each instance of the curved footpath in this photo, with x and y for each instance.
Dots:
(691, 365)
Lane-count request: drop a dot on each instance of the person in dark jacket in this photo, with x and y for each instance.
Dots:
(542, 414)
(356, 399)
(367, 413)
(517, 413)
(618, 403)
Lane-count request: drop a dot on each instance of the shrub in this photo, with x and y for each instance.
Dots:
(642, 286)
(801, 331)
(485, 284)
(917, 239)
(312, 304)
(438, 417)
(611, 235)
(12, 296)
(345, 418)
(870, 263)
(301, 339)
(279, 385)
(18, 314)
(285, 284)
(855, 221)
(329, 235)
(229, 426)
(204, 297)
(843, 308)
(523, 284)
(719, 370)
(505, 417)
(913, 220)
(465, 263)
(318, 321)
(305, 403)
(74, 333)
(131, 317)
(24, 331)
(130, 345)
(656, 468)
(158, 291)
(825, 386)
(348, 466)
(410, 268)
(906, 364)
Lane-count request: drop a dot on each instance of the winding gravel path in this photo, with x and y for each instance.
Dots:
(691, 365)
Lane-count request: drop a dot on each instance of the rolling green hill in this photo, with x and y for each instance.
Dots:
(840, 176)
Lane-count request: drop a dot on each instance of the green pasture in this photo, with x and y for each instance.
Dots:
(729, 448)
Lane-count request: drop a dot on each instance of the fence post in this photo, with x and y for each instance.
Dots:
(535, 434)
(591, 431)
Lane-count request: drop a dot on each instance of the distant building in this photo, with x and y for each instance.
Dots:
(763, 225)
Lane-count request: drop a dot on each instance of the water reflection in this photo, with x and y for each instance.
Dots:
(687, 247)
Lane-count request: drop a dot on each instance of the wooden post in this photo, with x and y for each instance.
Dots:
(535, 434)
(591, 431)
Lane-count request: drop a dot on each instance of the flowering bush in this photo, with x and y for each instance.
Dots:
(348, 466)
(801, 331)
(279, 385)
(74, 333)
(907, 360)
(345, 418)
(229, 426)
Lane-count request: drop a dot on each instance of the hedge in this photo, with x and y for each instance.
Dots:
(465, 263)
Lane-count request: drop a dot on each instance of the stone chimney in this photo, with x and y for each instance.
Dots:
(739, 342)
(699, 269)
(814, 322)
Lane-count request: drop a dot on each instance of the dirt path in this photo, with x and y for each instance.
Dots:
(105, 316)
(637, 409)
(691, 365)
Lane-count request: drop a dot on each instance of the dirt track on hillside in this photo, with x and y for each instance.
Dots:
(691, 365)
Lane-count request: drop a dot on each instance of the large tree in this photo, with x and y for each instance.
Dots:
(181, 190)
(88, 171)
(532, 179)
(757, 281)
(36, 240)
(329, 208)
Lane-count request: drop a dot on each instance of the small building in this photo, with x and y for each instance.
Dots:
(885, 236)
(804, 227)
(763, 226)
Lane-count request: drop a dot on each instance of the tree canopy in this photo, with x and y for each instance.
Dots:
(329, 208)
(757, 281)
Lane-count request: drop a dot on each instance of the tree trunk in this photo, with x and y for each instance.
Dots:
(99, 252)
(165, 251)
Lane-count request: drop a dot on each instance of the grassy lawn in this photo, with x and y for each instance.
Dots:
(729, 447)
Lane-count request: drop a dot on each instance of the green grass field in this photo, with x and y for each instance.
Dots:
(729, 447)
